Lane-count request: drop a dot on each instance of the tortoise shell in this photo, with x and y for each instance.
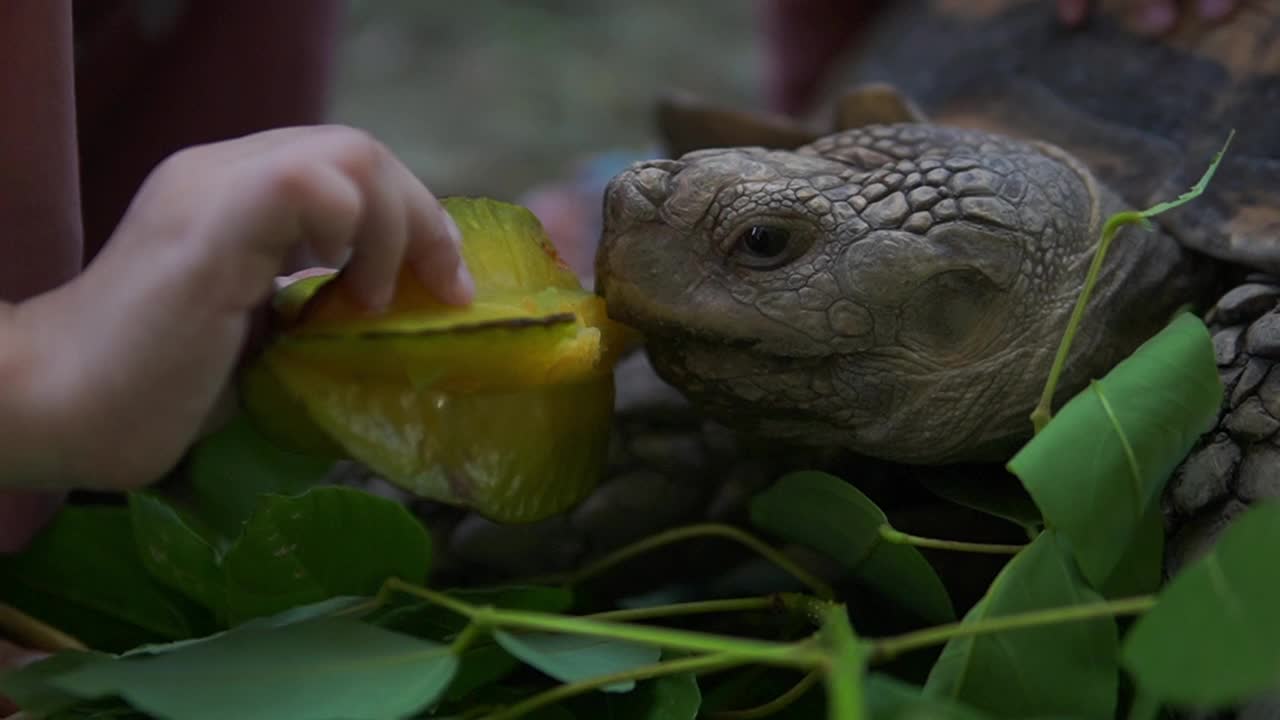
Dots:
(1146, 115)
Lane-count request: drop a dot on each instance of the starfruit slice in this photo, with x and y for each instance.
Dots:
(503, 406)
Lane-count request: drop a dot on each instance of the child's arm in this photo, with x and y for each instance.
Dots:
(109, 378)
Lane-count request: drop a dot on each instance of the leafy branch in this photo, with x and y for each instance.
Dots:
(692, 532)
(1043, 412)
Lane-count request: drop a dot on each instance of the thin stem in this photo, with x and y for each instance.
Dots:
(798, 654)
(1044, 411)
(704, 663)
(847, 663)
(747, 604)
(465, 638)
(34, 634)
(435, 597)
(775, 705)
(689, 532)
(886, 649)
(900, 538)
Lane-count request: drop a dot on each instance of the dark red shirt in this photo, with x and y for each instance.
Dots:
(94, 94)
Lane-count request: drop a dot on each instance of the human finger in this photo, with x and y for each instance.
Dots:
(379, 238)
(434, 250)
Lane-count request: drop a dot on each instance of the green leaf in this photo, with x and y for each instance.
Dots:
(29, 687)
(670, 697)
(302, 613)
(1140, 569)
(231, 469)
(176, 555)
(825, 513)
(1000, 496)
(1212, 639)
(102, 710)
(480, 667)
(1101, 463)
(83, 574)
(484, 663)
(569, 658)
(327, 542)
(1066, 669)
(327, 668)
(1144, 707)
(1196, 190)
(891, 699)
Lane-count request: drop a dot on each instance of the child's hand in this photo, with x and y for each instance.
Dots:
(1150, 17)
(122, 366)
(11, 658)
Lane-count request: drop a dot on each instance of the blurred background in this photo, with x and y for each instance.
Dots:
(537, 101)
(494, 97)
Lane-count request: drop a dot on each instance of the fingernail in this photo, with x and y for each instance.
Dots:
(1156, 18)
(1215, 9)
(284, 281)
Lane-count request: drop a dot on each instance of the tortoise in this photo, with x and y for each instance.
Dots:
(1041, 139)
(897, 284)
(958, 196)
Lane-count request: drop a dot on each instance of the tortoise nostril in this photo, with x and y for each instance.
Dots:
(625, 205)
(635, 195)
(654, 184)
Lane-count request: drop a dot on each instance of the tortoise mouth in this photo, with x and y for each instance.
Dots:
(659, 324)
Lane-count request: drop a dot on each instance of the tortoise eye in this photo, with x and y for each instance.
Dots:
(765, 246)
(765, 242)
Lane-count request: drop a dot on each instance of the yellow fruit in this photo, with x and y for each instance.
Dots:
(502, 406)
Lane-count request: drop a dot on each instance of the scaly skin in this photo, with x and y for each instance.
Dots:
(913, 307)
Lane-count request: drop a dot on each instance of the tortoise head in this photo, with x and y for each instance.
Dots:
(897, 289)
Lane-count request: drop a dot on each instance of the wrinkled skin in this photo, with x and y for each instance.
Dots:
(898, 290)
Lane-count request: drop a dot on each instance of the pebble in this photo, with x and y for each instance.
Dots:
(1263, 337)
(634, 505)
(1250, 422)
(1260, 473)
(1254, 372)
(1270, 392)
(1205, 478)
(517, 550)
(1247, 301)
(1226, 345)
(1199, 535)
